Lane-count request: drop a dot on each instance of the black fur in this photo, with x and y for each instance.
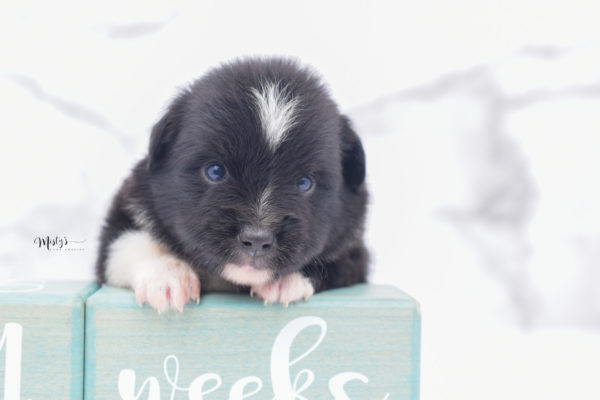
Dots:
(215, 120)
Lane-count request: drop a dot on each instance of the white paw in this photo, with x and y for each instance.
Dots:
(166, 282)
(289, 289)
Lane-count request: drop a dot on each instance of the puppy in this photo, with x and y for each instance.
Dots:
(253, 181)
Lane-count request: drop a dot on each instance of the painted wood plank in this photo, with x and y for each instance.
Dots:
(42, 339)
(361, 342)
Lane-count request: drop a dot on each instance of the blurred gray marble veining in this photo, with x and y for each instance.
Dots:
(500, 202)
(469, 149)
(480, 124)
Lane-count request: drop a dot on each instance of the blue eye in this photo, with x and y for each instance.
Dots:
(215, 172)
(304, 184)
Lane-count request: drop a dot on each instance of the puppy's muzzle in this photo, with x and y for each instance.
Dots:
(256, 242)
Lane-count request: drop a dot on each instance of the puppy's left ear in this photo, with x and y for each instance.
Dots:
(353, 156)
(165, 132)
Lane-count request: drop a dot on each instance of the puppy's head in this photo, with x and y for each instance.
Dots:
(250, 170)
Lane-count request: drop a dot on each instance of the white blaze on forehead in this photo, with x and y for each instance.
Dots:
(277, 111)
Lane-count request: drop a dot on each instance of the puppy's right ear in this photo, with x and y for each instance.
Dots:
(165, 132)
(353, 156)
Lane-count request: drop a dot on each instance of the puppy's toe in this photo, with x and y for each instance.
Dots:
(295, 287)
(166, 283)
(269, 292)
(184, 284)
(193, 286)
(289, 289)
(158, 296)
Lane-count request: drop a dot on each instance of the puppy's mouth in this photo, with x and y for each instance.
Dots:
(246, 274)
(258, 257)
(252, 260)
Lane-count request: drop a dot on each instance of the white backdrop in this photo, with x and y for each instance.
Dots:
(481, 125)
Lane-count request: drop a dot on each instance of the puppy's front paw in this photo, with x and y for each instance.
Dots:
(290, 288)
(166, 282)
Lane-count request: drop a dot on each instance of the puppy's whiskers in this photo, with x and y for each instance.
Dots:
(317, 266)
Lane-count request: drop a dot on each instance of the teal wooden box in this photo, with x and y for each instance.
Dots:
(352, 343)
(42, 339)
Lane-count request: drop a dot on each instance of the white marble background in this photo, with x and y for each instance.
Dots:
(481, 123)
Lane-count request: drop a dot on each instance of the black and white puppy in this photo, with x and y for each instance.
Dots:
(253, 181)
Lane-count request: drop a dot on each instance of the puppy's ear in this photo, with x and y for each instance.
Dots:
(353, 156)
(165, 132)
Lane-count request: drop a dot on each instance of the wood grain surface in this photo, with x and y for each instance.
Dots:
(361, 342)
(42, 346)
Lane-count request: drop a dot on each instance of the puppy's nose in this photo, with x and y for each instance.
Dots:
(256, 242)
